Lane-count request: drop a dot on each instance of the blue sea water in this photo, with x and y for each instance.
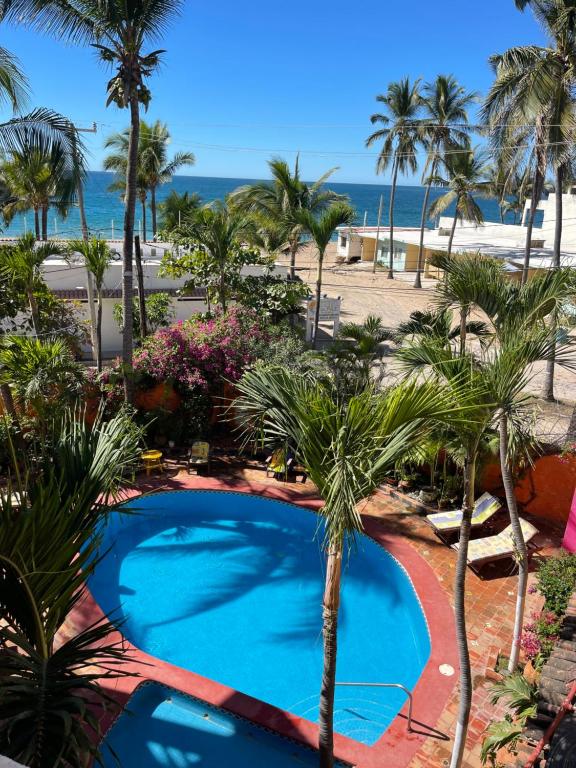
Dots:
(105, 210)
(230, 586)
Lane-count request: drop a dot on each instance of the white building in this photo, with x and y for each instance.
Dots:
(501, 241)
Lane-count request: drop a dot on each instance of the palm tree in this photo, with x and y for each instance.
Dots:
(218, 234)
(347, 447)
(401, 136)
(97, 257)
(321, 230)
(21, 264)
(445, 103)
(56, 535)
(36, 179)
(119, 31)
(282, 201)
(176, 208)
(466, 175)
(459, 375)
(156, 168)
(117, 162)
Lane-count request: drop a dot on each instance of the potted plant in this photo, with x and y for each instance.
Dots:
(407, 480)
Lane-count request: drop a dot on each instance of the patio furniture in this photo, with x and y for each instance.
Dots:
(448, 522)
(199, 456)
(281, 464)
(152, 460)
(498, 546)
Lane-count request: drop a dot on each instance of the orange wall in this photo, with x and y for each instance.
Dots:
(545, 490)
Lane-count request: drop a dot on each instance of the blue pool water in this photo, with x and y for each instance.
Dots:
(230, 586)
(165, 728)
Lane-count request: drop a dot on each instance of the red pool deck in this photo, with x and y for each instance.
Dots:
(430, 565)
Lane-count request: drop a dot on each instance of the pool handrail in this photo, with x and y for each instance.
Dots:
(407, 691)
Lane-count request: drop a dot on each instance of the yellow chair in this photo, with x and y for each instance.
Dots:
(152, 460)
(199, 456)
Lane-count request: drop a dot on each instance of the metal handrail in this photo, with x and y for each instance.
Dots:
(390, 685)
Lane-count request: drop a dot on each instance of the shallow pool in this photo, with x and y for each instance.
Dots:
(229, 586)
(165, 728)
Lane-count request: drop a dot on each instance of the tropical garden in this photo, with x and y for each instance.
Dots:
(71, 436)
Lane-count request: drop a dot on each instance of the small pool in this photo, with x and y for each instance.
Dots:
(229, 586)
(165, 728)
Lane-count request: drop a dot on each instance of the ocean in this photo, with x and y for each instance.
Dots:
(105, 210)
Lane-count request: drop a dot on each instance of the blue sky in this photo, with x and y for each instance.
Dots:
(280, 77)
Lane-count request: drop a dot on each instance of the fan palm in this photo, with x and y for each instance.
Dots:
(466, 177)
(321, 229)
(400, 137)
(119, 31)
(51, 698)
(21, 264)
(97, 256)
(438, 323)
(347, 447)
(282, 200)
(445, 103)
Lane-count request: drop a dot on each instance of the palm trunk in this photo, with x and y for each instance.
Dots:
(222, 289)
(548, 387)
(143, 201)
(44, 222)
(391, 220)
(330, 608)
(10, 410)
(318, 294)
(460, 613)
(36, 223)
(128, 277)
(34, 311)
(418, 278)
(153, 209)
(293, 250)
(89, 286)
(463, 331)
(536, 192)
(99, 331)
(453, 230)
(519, 543)
(141, 296)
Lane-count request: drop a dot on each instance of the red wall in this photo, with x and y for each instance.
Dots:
(545, 490)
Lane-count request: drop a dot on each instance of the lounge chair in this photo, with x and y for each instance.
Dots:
(449, 522)
(199, 456)
(499, 546)
(282, 463)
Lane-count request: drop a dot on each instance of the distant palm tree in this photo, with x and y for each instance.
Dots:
(119, 31)
(176, 208)
(282, 201)
(97, 257)
(21, 264)
(445, 103)
(155, 165)
(37, 179)
(401, 136)
(466, 177)
(347, 447)
(321, 230)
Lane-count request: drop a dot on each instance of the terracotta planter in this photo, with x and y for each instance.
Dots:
(161, 395)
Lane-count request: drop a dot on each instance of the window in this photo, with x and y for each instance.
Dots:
(343, 241)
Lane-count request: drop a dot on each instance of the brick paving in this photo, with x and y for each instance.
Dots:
(490, 599)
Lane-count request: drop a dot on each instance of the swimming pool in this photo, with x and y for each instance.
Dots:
(229, 586)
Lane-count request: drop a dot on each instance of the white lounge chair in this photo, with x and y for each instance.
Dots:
(499, 546)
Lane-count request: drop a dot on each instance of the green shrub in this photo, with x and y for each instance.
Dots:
(557, 581)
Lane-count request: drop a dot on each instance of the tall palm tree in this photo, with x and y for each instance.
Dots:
(321, 229)
(400, 136)
(117, 162)
(459, 375)
(346, 446)
(21, 263)
(119, 31)
(466, 177)
(176, 208)
(445, 106)
(52, 696)
(97, 256)
(282, 201)
(156, 167)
